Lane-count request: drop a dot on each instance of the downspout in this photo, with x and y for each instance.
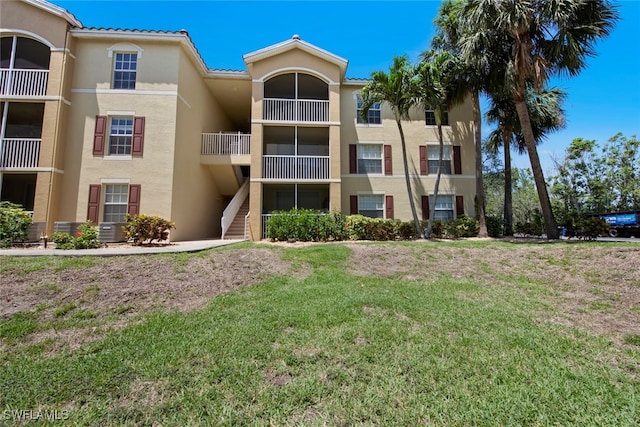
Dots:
(57, 123)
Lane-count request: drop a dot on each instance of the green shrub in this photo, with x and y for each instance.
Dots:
(463, 226)
(585, 228)
(86, 238)
(62, 240)
(406, 230)
(494, 226)
(528, 228)
(437, 228)
(14, 224)
(306, 225)
(145, 229)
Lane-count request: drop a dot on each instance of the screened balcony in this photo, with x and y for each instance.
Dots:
(24, 67)
(295, 153)
(296, 97)
(22, 133)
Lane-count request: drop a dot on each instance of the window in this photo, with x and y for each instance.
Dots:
(374, 115)
(120, 135)
(444, 208)
(124, 70)
(116, 199)
(430, 118)
(369, 158)
(433, 155)
(371, 205)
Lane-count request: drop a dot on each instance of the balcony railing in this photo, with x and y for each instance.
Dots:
(19, 153)
(17, 82)
(295, 167)
(296, 110)
(226, 143)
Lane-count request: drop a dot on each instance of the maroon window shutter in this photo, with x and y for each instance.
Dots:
(353, 201)
(353, 158)
(423, 160)
(425, 207)
(99, 136)
(93, 208)
(459, 206)
(133, 207)
(138, 136)
(388, 169)
(457, 161)
(388, 207)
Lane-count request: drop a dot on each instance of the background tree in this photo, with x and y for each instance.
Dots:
(397, 89)
(547, 116)
(546, 38)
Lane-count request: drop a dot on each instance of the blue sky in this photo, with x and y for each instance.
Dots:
(602, 101)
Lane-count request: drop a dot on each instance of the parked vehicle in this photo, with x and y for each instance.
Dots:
(622, 224)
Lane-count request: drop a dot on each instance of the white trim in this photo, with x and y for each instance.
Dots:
(421, 177)
(371, 193)
(310, 124)
(104, 181)
(38, 169)
(120, 113)
(117, 157)
(55, 10)
(371, 142)
(15, 32)
(293, 43)
(124, 47)
(275, 72)
(35, 98)
(368, 125)
(127, 92)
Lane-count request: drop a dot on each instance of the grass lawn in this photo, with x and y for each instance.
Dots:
(390, 334)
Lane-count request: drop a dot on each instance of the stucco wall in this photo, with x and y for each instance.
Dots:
(23, 16)
(197, 203)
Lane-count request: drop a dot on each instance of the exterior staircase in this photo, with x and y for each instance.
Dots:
(236, 230)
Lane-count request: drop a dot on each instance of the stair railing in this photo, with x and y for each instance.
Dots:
(230, 212)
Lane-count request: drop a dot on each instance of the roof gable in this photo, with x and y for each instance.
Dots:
(296, 43)
(55, 10)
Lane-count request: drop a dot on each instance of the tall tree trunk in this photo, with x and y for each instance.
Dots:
(536, 168)
(432, 205)
(477, 140)
(507, 132)
(416, 221)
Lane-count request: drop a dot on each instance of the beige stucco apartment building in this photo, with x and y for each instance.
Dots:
(97, 123)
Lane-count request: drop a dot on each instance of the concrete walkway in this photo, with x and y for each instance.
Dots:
(118, 250)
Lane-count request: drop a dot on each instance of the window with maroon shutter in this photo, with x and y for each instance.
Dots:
(425, 207)
(423, 160)
(353, 158)
(353, 205)
(457, 160)
(138, 136)
(388, 168)
(93, 208)
(459, 206)
(99, 135)
(388, 207)
(133, 205)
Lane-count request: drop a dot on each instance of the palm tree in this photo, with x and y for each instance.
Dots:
(547, 116)
(397, 88)
(441, 87)
(546, 37)
(447, 36)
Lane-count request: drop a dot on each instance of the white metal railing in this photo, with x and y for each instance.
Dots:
(20, 153)
(19, 82)
(296, 110)
(230, 212)
(226, 143)
(265, 218)
(246, 223)
(295, 167)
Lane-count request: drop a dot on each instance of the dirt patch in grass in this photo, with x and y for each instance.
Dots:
(81, 305)
(595, 288)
